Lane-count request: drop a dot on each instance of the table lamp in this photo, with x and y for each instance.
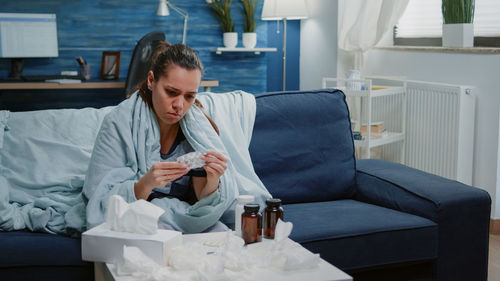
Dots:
(163, 11)
(284, 10)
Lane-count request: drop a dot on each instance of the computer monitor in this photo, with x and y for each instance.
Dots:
(27, 36)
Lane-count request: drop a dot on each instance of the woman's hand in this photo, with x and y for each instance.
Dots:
(215, 166)
(159, 175)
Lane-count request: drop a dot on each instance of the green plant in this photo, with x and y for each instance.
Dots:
(249, 7)
(458, 11)
(222, 10)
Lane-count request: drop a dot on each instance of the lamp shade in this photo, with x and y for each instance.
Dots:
(162, 8)
(284, 9)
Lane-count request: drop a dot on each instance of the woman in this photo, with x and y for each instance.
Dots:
(170, 90)
(135, 150)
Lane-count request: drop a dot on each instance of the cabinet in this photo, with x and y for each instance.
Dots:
(378, 114)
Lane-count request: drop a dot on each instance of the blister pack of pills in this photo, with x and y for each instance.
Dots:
(192, 159)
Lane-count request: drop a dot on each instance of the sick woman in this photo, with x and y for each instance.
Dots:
(140, 139)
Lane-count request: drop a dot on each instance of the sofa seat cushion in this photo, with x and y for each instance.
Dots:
(30, 249)
(302, 147)
(351, 234)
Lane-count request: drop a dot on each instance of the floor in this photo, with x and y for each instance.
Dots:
(494, 258)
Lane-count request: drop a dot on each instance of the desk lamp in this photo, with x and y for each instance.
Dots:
(284, 10)
(163, 11)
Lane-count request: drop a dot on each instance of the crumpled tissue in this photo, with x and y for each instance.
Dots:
(282, 253)
(219, 256)
(137, 217)
(192, 159)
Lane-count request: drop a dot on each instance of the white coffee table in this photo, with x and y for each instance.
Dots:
(324, 271)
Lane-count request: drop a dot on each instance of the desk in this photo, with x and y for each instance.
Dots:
(84, 85)
(25, 96)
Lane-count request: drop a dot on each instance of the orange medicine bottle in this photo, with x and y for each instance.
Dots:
(272, 213)
(251, 224)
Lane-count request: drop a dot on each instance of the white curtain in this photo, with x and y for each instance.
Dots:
(362, 23)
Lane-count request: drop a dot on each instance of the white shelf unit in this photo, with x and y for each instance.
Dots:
(256, 51)
(362, 94)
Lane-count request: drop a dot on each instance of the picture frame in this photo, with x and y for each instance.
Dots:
(110, 65)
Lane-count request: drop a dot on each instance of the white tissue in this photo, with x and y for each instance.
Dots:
(135, 262)
(282, 230)
(224, 257)
(282, 253)
(138, 217)
(192, 159)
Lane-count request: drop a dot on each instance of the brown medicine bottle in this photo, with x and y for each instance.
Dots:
(272, 213)
(251, 224)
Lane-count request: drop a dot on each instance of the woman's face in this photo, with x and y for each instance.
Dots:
(174, 94)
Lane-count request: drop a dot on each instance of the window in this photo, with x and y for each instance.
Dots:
(421, 24)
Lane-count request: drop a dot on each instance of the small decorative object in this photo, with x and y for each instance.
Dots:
(84, 68)
(249, 35)
(222, 10)
(352, 83)
(458, 18)
(230, 39)
(110, 66)
(357, 135)
(85, 72)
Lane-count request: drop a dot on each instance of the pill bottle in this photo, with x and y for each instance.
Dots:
(238, 210)
(251, 224)
(272, 213)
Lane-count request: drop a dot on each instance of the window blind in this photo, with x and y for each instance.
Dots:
(423, 19)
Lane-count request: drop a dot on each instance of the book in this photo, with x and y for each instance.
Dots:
(376, 127)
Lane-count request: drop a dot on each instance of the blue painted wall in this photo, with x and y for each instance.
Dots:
(89, 27)
(275, 60)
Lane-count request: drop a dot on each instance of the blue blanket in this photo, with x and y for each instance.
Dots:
(129, 143)
(44, 156)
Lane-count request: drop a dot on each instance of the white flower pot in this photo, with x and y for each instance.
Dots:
(249, 39)
(230, 39)
(459, 35)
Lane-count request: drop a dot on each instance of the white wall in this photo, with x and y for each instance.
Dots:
(480, 70)
(318, 43)
(318, 51)
(496, 202)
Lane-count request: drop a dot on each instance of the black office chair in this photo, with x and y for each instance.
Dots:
(141, 59)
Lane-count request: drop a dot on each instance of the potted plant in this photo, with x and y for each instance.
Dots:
(222, 10)
(249, 35)
(458, 18)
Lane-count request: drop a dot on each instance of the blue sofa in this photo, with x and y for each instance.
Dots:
(374, 219)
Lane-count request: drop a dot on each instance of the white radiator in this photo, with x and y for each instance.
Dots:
(438, 124)
(440, 129)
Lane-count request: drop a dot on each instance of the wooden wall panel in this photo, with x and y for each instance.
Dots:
(89, 27)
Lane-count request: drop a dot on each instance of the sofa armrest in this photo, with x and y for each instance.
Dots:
(462, 212)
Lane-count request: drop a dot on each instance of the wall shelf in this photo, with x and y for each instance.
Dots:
(257, 51)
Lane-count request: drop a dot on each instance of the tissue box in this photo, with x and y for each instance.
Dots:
(100, 244)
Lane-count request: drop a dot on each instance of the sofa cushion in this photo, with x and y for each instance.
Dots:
(351, 234)
(302, 147)
(30, 249)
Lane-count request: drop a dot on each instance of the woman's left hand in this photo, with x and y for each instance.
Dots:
(215, 166)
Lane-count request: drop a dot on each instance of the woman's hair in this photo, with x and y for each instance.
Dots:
(165, 56)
